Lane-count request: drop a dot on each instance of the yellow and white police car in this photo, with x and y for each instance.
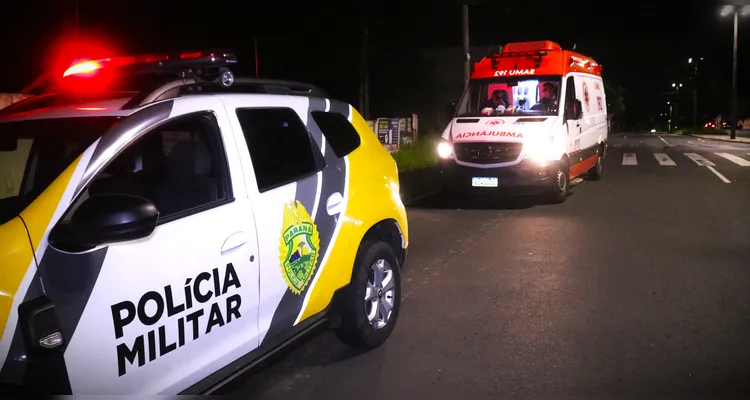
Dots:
(164, 225)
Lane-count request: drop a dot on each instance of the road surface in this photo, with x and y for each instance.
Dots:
(638, 284)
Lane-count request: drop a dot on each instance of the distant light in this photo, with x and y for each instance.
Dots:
(690, 60)
(680, 85)
(673, 85)
(653, 130)
(726, 10)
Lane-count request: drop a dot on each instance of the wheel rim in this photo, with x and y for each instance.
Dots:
(562, 181)
(380, 295)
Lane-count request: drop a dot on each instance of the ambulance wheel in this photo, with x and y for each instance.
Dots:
(595, 173)
(560, 183)
(372, 300)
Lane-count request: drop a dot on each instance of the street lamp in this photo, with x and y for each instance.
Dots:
(736, 10)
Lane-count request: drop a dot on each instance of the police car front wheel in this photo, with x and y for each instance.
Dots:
(372, 300)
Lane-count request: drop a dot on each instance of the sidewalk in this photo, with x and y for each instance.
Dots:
(740, 137)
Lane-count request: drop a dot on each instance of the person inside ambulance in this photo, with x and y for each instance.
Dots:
(497, 104)
(548, 102)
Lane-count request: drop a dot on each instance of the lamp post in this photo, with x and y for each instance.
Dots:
(669, 127)
(695, 91)
(734, 10)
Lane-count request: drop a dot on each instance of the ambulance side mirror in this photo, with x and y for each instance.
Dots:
(450, 110)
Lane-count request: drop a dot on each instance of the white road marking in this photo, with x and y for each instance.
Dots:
(625, 137)
(737, 160)
(662, 139)
(690, 142)
(722, 177)
(629, 159)
(701, 140)
(664, 159)
(700, 160)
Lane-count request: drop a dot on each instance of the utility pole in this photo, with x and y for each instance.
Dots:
(76, 20)
(255, 45)
(695, 95)
(733, 117)
(364, 84)
(467, 57)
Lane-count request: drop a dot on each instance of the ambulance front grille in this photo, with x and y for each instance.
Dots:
(487, 153)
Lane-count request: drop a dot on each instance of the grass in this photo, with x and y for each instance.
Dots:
(700, 131)
(418, 155)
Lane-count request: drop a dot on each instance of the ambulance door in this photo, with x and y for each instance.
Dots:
(585, 88)
(599, 105)
(159, 312)
(573, 117)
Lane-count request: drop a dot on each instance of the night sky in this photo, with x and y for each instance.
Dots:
(415, 52)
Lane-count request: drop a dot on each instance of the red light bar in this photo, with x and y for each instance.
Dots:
(194, 54)
(541, 45)
(85, 67)
(90, 66)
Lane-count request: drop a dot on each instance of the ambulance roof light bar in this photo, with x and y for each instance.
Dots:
(525, 47)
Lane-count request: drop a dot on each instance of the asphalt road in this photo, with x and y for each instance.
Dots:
(638, 284)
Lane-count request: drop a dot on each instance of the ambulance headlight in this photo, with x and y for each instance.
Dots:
(540, 151)
(445, 149)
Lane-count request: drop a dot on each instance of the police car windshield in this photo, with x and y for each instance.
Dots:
(509, 96)
(35, 152)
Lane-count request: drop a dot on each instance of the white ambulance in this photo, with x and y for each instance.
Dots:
(532, 120)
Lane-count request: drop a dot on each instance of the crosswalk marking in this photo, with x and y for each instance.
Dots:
(664, 159)
(717, 173)
(629, 159)
(700, 160)
(737, 160)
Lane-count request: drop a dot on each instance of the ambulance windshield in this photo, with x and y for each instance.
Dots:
(506, 96)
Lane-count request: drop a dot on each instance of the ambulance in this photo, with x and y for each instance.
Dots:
(532, 120)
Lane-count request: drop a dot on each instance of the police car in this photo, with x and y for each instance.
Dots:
(164, 225)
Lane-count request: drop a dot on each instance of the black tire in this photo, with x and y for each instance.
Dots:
(560, 183)
(595, 173)
(355, 329)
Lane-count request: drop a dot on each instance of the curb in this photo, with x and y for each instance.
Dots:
(720, 139)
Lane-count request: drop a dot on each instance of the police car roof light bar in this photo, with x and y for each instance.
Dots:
(182, 63)
(188, 86)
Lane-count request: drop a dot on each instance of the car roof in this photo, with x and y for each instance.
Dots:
(66, 105)
(110, 107)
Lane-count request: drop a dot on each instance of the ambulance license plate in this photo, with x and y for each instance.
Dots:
(484, 182)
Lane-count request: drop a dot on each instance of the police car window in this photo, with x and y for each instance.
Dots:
(339, 132)
(179, 166)
(280, 146)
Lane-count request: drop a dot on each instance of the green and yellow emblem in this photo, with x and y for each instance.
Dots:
(299, 246)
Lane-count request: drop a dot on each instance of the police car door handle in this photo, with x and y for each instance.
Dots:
(335, 203)
(234, 241)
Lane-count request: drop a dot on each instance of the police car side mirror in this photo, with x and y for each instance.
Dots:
(104, 219)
